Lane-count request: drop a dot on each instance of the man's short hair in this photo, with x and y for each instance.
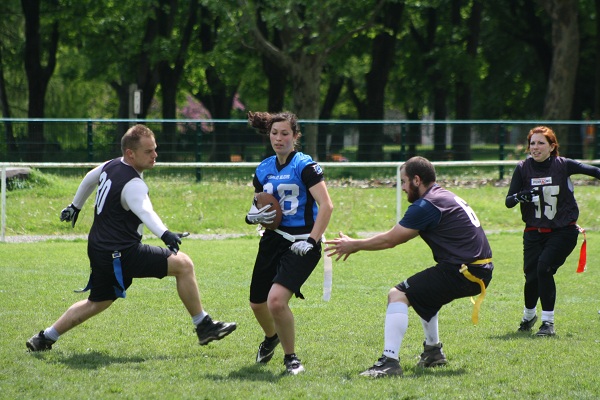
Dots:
(420, 166)
(131, 138)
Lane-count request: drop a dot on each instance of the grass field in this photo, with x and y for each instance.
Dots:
(144, 346)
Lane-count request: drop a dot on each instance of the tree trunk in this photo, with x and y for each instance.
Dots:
(461, 137)
(38, 75)
(306, 82)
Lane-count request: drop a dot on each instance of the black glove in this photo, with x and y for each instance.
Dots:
(526, 196)
(173, 240)
(70, 213)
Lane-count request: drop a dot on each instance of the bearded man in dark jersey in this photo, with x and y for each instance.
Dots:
(115, 250)
(460, 248)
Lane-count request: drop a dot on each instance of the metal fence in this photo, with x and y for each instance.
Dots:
(96, 140)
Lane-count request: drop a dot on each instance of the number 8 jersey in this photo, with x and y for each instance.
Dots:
(290, 184)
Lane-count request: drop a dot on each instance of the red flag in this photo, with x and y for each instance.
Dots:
(582, 265)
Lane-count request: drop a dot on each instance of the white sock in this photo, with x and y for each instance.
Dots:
(396, 323)
(548, 316)
(430, 329)
(196, 319)
(51, 333)
(528, 313)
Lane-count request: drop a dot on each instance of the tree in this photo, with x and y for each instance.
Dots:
(41, 44)
(173, 54)
(565, 54)
(383, 52)
(310, 32)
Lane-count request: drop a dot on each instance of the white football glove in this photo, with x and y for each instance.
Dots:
(302, 247)
(261, 216)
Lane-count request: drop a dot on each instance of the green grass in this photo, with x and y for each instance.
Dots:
(219, 206)
(144, 346)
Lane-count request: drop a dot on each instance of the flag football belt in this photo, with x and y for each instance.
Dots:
(582, 263)
(292, 238)
(118, 271)
(476, 303)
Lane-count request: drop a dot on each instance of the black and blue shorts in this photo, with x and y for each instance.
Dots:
(137, 261)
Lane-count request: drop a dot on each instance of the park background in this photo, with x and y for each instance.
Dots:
(371, 81)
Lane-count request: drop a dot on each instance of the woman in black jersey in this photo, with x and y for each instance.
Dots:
(541, 184)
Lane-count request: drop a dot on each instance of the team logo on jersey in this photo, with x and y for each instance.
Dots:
(272, 177)
(318, 169)
(541, 181)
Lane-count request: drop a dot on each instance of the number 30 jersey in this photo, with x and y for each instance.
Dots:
(114, 228)
(290, 184)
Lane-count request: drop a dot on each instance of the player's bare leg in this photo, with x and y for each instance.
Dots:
(80, 312)
(278, 300)
(182, 268)
(266, 349)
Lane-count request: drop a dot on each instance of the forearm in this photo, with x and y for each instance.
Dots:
(322, 221)
(381, 241)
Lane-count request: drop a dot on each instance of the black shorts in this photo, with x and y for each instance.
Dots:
(137, 261)
(548, 250)
(428, 290)
(276, 263)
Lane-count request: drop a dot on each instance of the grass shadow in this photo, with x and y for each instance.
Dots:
(252, 373)
(519, 335)
(90, 361)
(446, 371)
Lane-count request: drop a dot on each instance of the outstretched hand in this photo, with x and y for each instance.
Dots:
(342, 246)
(173, 240)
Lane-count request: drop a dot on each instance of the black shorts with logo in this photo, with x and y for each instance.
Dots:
(137, 261)
(276, 263)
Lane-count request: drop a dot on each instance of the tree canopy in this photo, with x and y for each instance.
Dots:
(365, 59)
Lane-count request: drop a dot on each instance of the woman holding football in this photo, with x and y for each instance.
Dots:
(288, 254)
(541, 184)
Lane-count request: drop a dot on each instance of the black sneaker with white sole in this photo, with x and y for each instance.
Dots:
(432, 356)
(385, 366)
(39, 342)
(527, 324)
(292, 364)
(209, 330)
(266, 350)
(546, 329)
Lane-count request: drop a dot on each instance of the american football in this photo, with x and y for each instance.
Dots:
(264, 198)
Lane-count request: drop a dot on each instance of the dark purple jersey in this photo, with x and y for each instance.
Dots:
(556, 206)
(114, 228)
(452, 231)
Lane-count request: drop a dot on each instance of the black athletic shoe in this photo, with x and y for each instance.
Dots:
(385, 366)
(39, 343)
(432, 356)
(546, 329)
(209, 330)
(292, 364)
(526, 325)
(266, 350)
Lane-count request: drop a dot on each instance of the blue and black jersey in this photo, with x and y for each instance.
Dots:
(290, 184)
